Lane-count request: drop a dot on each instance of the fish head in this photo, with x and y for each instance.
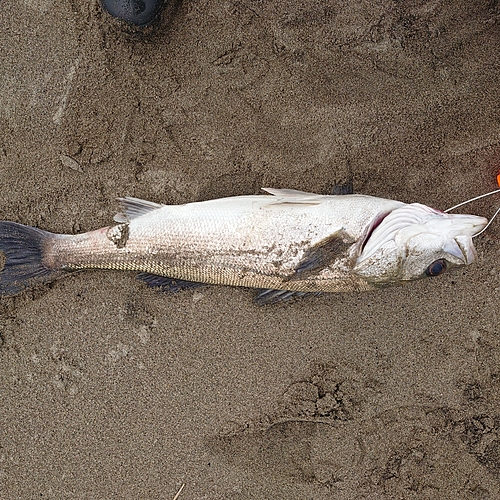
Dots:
(416, 241)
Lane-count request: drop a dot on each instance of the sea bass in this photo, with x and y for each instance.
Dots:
(287, 242)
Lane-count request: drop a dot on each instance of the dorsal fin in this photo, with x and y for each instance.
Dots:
(133, 208)
(288, 193)
(292, 196)
(343, 188)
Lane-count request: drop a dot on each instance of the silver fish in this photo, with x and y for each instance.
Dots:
(289, 242)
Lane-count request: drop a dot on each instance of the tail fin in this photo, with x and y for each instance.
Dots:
(23, 248)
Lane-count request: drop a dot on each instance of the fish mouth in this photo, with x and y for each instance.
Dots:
(474, 223)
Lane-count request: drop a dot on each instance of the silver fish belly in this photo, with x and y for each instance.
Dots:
(291, 240)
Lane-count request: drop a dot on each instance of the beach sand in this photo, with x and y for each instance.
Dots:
(109, 390)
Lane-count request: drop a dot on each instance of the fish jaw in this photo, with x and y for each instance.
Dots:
(412, 238)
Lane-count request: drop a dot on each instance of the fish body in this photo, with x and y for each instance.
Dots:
(290, 240)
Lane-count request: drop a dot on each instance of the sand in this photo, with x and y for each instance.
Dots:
(109, 390)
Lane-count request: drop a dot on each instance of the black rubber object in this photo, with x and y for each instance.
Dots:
(137, 12)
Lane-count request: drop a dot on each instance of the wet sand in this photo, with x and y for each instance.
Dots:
(110, 390)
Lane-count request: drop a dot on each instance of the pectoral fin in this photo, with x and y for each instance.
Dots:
(324, 253)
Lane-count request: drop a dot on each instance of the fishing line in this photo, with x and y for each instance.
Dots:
(473, 199)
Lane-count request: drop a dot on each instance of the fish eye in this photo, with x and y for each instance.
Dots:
(436, 268)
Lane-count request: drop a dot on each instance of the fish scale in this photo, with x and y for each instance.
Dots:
(254, 241)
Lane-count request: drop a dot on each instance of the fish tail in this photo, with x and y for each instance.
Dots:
(23, 249)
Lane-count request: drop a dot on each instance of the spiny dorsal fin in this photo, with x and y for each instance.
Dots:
(344, 188)
(133, 208)
(292, 196)
(288, 193)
